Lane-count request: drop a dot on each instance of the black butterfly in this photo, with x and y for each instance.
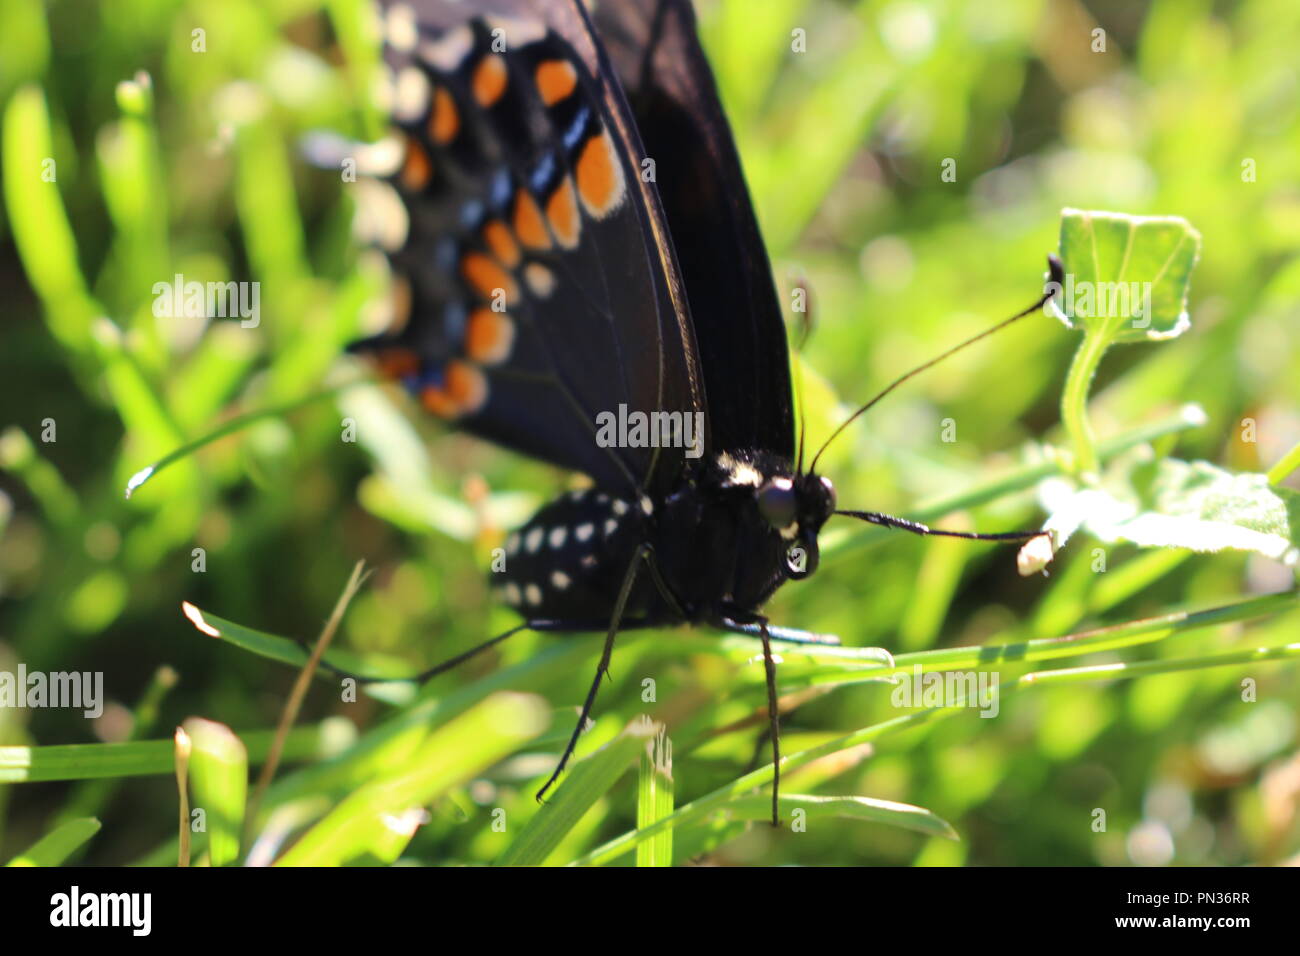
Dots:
(580, 248)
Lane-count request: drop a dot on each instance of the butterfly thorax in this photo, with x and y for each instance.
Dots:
(734, 528)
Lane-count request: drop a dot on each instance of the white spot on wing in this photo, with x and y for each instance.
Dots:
(411, 96)
(534, 540)
(584, 531)
(400, 28)
(540, 279)
(518, 32)
(449, 50)
(381, 215)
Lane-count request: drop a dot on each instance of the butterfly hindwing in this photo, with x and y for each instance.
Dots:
(536, 284)
(656, 52)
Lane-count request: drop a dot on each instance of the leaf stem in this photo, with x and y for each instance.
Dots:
(1289, 463)
(1074, 401)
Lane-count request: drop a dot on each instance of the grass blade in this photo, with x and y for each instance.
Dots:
(587, 782)
(57, 845)
(142, 758)
(238, 423)
(655, 800)
(802, 808)
(698, 810)
(219, 777)
(377, 820)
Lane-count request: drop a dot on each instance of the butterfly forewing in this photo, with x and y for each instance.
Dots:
(536, 283)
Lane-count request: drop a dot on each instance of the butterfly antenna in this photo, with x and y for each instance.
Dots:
(1056, 278)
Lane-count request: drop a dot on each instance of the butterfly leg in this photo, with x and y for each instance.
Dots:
(437, 668)
(748, 623)
(602, 669)
(773, 718)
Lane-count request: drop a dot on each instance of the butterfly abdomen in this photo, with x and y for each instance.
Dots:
(567, 562)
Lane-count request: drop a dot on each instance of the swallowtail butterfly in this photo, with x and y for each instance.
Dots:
(547, 284)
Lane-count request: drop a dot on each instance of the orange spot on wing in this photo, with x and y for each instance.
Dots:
(400, 300)
(486, 277)
(529, 225)
(416, 168)
(463, 391)
(499, 239)
(444, 121)
(562, 213)
(396, 363)
(555, 80)
(489, 336)
(600, 177)
(490, 79)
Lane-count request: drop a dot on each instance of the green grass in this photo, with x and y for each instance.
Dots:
(1178, 671)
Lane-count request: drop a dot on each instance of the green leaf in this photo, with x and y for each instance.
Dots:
(219, 782)
(1126, 277)
(1126, 280)
(1194, 505)
(587, 782)
(57, 845)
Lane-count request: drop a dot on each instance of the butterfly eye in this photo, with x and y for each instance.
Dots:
(777, 502)
(828, 495)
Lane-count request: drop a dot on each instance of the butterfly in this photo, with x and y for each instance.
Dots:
(579, 277)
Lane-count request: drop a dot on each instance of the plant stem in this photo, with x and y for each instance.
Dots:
(839, 542)
(1074, 401)
(1289, 463)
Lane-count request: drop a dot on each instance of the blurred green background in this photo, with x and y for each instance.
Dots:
(1193, 109)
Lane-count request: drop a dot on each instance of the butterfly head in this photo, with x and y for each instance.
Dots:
(797, 507)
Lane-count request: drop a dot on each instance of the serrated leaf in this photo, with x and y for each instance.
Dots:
(1126, 277)
(1194, 505)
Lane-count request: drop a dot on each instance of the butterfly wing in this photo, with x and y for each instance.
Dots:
(536, 282)
(739, 330)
